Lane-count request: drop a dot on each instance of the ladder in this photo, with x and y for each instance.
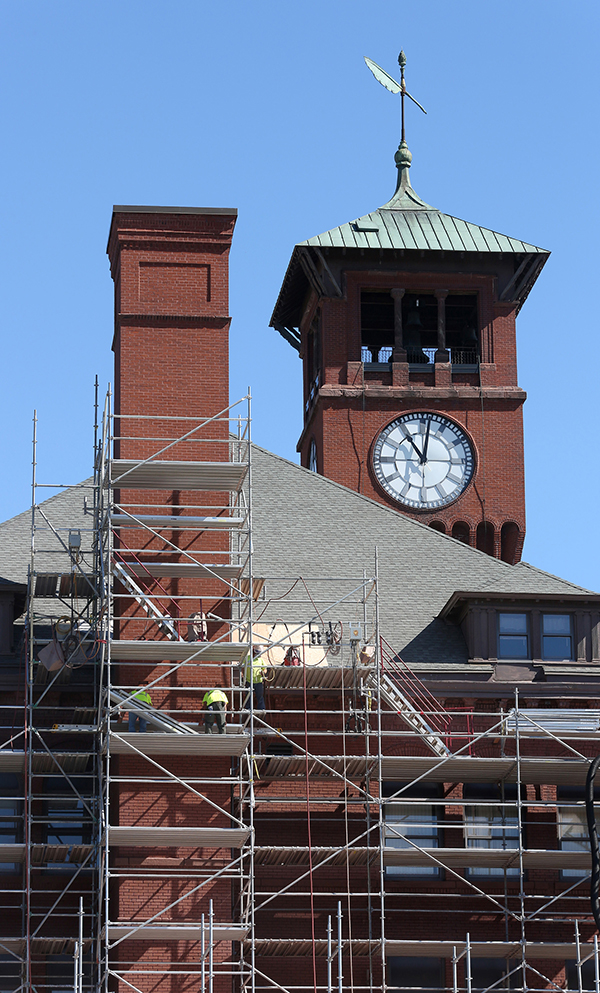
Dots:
(164, 623)
(397, 701)
(160, 721)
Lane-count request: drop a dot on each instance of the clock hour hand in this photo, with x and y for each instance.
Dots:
(408, 438)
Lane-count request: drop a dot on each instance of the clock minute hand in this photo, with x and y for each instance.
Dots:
(426, 443)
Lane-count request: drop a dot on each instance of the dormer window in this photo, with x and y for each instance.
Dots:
(513, 636)
(527, 626)
(557, 641)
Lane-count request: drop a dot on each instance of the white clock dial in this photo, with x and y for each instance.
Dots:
(423, 461)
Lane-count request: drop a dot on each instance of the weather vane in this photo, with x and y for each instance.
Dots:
(390, 84)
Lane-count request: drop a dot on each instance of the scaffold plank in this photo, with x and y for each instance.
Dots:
(318, 677)
(294, 766)
(488, 858)
(152, 743)
(16, 946)
(12, 853)
(57, 762)
(159, 475)
(301, 947)
(179, 570)
(11, 761)
(178, 837)
(467, 769)
(179, 651)
(176, 932)
(302, 856)
(176, 523)
(68, 854)
(487, 949)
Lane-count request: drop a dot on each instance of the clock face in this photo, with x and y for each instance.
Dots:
(423, 461)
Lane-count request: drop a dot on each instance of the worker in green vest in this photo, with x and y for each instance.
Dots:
(216, 704)
(254, 673)
(136, 716)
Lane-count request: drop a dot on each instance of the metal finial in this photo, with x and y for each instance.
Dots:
(402, 59)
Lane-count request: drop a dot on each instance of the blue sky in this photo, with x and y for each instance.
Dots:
(268, 107)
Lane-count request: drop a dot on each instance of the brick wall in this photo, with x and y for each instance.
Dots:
(354, 405)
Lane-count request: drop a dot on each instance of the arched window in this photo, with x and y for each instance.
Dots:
(509, 536)
(485, 537)
(312, 456)
(462, 532)
(438, 526)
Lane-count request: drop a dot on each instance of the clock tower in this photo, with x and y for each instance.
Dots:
(405, 322)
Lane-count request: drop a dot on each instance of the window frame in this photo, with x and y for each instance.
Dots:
(491, 795)
(417, 797)
(514, 634)
(570, 636)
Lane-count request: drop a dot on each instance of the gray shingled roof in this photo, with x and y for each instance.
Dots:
(64, 511)
(307, 525)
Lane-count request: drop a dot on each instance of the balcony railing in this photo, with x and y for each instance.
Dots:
(458, 356)
(421, 356)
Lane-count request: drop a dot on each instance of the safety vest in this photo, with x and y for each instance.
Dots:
(143, 696)
(254, 670)
(214, 696)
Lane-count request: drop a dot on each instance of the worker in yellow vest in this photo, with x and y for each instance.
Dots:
(254, 673)
(137, 715)
(216, 704)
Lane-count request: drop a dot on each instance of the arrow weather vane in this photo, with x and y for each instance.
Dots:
(390, 84)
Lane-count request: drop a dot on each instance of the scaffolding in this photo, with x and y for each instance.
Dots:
(175, 534)
(354, 825)
(59, 765)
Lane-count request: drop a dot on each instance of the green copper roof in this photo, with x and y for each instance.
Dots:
(404, 223)
(418, 229)
(407, 222)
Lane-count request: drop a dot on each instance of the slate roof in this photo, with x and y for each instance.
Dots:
(65, 510)
(307, 525)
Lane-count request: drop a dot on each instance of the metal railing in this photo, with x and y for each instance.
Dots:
(414, 689)
(420, 356)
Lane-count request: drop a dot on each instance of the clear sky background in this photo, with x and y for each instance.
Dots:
(267, 106)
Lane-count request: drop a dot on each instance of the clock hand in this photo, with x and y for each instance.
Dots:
(426, 442)
(407, 437)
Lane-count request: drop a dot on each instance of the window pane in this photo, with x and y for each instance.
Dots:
(556, 624)
(491, 827)
(486, 972)
(556, 648)
(512, 623)
(417, 822)
(573, 835)
(511, 646)
(10, 831)
(413, 973)
(588, 978)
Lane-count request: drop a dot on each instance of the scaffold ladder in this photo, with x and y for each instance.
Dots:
(164, 623)
(395, 699)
